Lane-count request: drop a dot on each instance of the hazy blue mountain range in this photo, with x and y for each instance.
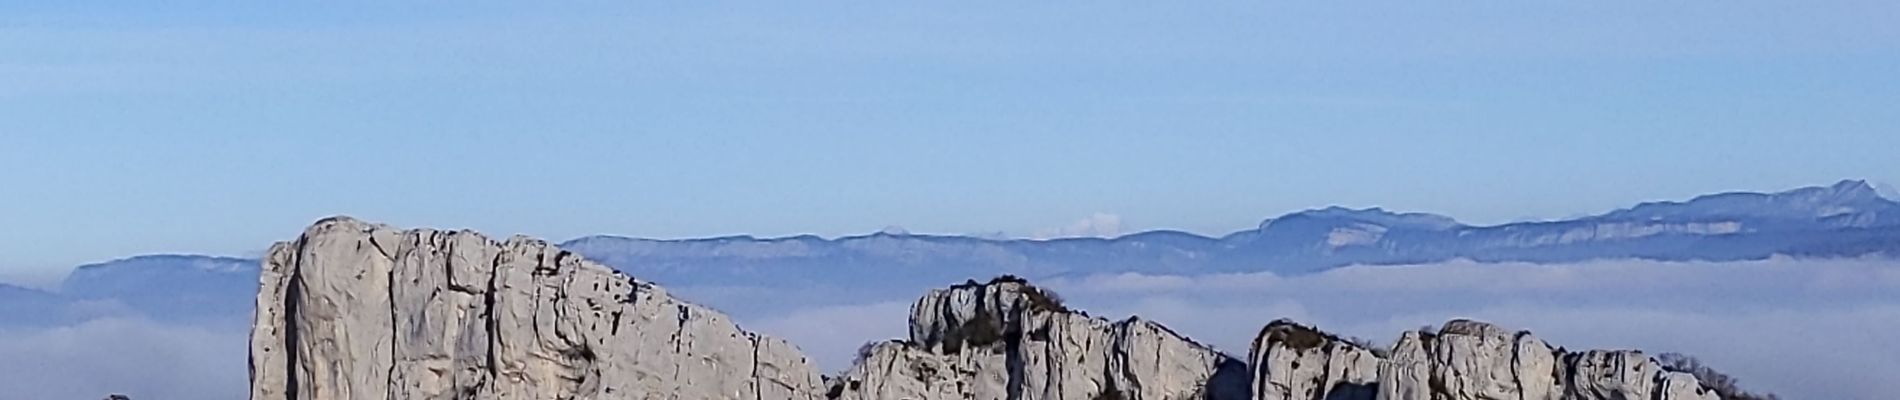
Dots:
(168, 286)
(28, 307)
(187, 288)
(1848, 219)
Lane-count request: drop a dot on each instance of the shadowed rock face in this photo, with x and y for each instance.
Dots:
(358, 311)
(1008, 340)
(1463, 360)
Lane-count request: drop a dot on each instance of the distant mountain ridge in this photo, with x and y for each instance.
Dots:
(1847, 219)
(169, 286)
(27, 306)
(165, 286)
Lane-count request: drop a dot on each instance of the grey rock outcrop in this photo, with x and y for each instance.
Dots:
(1008, 340)
(353, 310)
(1318, 364)
(1464, 360)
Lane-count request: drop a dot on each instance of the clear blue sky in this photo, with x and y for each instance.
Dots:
(217, 128)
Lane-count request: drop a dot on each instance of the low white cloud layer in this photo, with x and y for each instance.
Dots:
(132, 356)
(1803, 329)
(832, 334)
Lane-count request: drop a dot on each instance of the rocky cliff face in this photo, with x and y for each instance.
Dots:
(1464, 360)
(1008, 340)
(358, 311)
(353, 310)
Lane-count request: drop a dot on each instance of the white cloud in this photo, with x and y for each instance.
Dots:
(1098, 225)
(836, 332)
(136, 357)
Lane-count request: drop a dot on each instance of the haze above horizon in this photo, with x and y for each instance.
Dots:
(139, 128)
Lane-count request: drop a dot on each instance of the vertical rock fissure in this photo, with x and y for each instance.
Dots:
(292, 335)
(1012, 346)
(679, 344)
(1517, 365)
(758, 384)
(490, 321)
(395, 341)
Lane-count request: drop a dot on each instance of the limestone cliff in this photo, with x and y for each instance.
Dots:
(358, 311)
(1464, 360)
(352, 310)
(1008, 340)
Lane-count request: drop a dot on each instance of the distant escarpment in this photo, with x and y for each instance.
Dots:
(353, 310)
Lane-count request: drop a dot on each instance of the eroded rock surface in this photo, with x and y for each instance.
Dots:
(1008, 340)
(1316, 365)
(1464, 360)
(353, 310)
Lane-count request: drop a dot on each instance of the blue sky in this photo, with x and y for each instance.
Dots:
(217, 128)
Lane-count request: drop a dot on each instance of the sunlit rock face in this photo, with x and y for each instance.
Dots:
(1008, 340)
(1310, 363)
(356, 311)
(1464, 360)
(352, 310)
